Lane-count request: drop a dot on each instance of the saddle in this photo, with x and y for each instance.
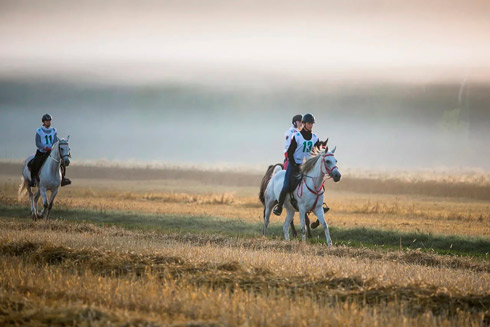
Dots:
(64, 181)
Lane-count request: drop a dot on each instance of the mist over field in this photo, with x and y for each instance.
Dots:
(393, 85)
(384, 126)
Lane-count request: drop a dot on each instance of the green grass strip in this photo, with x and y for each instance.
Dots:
(442, 244)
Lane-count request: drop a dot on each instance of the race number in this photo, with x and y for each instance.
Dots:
(307, 146)
(49, 139)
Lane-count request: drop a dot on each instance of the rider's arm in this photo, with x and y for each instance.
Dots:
(291, 150)
(39, 144)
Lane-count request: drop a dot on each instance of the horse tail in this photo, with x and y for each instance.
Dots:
(22, 192)
(271, 170)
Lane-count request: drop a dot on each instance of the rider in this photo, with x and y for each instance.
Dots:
(297, 125)
(300, 148)
(46, 136)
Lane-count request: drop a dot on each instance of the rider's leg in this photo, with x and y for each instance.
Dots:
(36, 163)
(64, 180)
(285, 189)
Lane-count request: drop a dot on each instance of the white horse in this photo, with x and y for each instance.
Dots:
(308, 194)
(49, 178)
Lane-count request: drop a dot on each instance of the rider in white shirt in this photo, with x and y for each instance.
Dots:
(295, 128)
(46, 136)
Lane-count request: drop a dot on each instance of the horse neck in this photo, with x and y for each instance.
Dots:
(53, 162)
(316, 175)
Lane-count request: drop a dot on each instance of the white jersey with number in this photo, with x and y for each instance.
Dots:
(289, 136)
(304, 147)
(47, 139)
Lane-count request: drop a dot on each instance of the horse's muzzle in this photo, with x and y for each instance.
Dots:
(336, 176)
(66, 161)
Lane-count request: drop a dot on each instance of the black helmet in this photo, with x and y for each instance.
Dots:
(46, 117)
(296, 118)
(308, 118)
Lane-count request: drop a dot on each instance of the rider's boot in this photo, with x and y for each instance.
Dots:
(278, 208)
(65, 181)
(325, 208)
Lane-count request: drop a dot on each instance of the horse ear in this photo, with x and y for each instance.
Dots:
(326, 149)
(335, 148)
(68, 138)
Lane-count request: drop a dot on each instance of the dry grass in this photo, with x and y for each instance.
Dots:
(450, 216)
(74, 274)
(442, 183)
(79, 274)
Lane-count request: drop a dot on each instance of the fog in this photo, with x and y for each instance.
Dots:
(395, 126)
(393, 85)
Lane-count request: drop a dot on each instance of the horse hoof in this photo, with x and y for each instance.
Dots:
(315, 224)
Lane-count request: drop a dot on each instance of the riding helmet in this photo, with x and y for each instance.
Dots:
(46, 117)
(296, 118)
(308, 118)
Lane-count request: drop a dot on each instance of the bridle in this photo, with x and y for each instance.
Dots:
(327, 171)
(318, 192)
(61, 156)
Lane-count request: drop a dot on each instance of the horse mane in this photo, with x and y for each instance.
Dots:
(310, 163)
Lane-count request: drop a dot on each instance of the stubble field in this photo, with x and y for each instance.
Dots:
(136, 247)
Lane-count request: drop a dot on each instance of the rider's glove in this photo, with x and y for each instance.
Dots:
(47, 148)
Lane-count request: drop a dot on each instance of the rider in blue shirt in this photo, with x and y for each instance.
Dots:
(46, 136)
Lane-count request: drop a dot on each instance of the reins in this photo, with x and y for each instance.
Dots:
(318, 192)
(66, 155)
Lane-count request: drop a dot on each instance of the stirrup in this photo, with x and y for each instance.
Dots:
(277, 210)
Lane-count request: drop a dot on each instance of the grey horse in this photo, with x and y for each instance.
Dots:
(49, 178)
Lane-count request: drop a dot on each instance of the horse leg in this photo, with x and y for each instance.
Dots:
(51, 201)
(320, 215)
(307, 222)
(267, 215)
(44, 196)
(302, 214)
(31, 199)
(287, 222)
(36, 202)
(293, 229)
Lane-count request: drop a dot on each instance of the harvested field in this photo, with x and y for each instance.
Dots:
(170, 253)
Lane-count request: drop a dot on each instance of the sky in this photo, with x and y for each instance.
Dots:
(333, 40)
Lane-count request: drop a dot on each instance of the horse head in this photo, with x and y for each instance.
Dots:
(65, 153)
(330, 164)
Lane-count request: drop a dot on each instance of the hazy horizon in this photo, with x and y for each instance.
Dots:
(393, 84)
(378, 127)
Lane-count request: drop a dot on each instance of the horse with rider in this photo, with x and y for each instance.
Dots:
(46, 169)
(302, 171)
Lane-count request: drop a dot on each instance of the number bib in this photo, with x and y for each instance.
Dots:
(303, 150)
(47, 139)
(289, 135)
